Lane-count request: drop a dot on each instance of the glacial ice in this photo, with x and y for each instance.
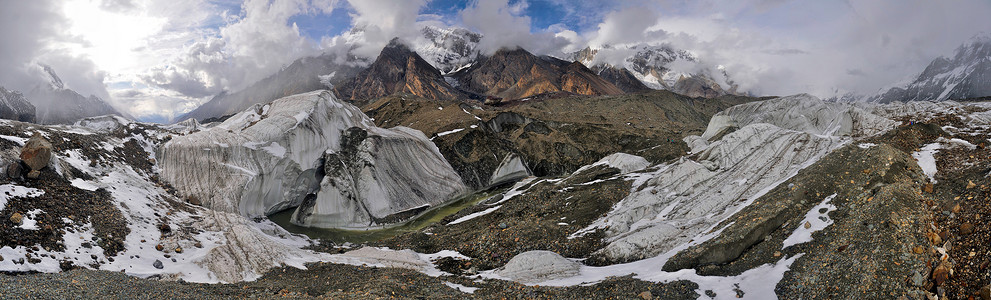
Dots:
(271, 157)
(766, 142)
(510, 169)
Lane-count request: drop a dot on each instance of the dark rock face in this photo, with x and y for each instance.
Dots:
(398, 69)
(967, 74)
(697, 87)
(516, 74)
(303, 75)
(13, 106)
(621, 78)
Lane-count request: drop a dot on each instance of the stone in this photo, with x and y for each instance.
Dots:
(159, 247)
(941, 273)
(503, 225)
(956, 209)
(37, 152)
(178, 249)
(971, 184)
(777, 253)
(985, 292)
(158, 264)
(34, 174)
(14, 170)
(918, 279)
(646, 295)
(966, 228)
(807, 225)
(928, 188)
(918, 249)
(538, 266)
(16, 218)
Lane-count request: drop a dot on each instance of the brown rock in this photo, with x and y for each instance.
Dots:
(966, 229)
(941, 273)
(918, 249)
(178, 249)
(934, 238)
(646, 295)
(34, 174)
(37, 152)
(807, 225)
(971, 184)
(985, 292)
(928, 188)
(944, 234)
(14, 170)
(159, 247)
(956, 209)
(16, 218)
(777, 253)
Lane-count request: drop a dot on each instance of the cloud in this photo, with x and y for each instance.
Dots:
(252, 45)
(381, 20)
(504, 25)
(28, 30)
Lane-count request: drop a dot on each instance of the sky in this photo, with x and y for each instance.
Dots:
(157, 59)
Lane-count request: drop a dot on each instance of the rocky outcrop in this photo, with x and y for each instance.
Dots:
(398, 69)
(13, 106)
(621, 78)
(275, 156)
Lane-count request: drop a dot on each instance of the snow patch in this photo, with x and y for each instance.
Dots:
(817, 220)
(475, 215)
(926, 159)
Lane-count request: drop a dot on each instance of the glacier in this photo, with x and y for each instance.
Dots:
(280, 155)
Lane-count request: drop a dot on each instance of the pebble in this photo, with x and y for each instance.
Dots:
(966, 229)
(807, 225)
(178, 249)
(646, 295)
(16, 218)
(159, 247)
(986, 292)
(503, 225)
(971, 184)
(777, 253)
(957, 209)
(918, 279)
(158, 264)
(941, 273)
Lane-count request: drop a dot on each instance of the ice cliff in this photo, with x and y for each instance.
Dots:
(280, 155)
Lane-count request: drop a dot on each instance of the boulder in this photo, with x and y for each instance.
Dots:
(37, 152)
(538, 266)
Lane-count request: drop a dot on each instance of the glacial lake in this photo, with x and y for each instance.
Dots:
(360, 236)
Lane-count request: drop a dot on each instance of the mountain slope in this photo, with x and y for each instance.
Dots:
(303, 75)
(965, 75)
(658, 67)
(398, 69)
(13, 106)
(56, 104)
(516, 74)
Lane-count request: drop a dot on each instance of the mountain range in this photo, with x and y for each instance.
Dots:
(446, 64)
(966, 74)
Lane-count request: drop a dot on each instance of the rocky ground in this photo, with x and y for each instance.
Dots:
(554, 134)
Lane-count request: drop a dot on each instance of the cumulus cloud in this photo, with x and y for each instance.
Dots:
(254, 44)
(503, 25)
(381, 20)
